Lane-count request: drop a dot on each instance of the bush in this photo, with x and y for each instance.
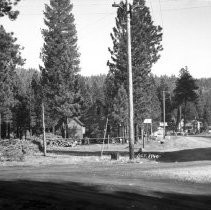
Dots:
(15, 149)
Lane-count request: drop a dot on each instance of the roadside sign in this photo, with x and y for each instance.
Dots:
(148, 121)
(162, 124)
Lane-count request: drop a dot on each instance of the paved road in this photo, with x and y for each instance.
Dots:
(97, 186)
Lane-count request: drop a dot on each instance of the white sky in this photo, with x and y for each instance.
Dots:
(186, 40)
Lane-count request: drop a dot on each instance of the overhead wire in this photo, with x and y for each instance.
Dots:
(185, 8)
(93, 24)
(109, 13)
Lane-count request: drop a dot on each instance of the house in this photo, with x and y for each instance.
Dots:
(193, 126)
(75, 128)
(209, 129)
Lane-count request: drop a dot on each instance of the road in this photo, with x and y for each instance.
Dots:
(99, 186)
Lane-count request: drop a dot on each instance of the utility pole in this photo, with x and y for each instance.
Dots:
(105, 132)
(164, 115)
(130, 75)
(130, 80)
(180, 117)
(43, 124)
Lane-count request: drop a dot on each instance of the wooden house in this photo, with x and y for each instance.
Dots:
(75, 128)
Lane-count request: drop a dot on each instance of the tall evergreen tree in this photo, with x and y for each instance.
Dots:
(35, 104)
(146, 45)
(9, 58)
(61, 62)
(185, 90)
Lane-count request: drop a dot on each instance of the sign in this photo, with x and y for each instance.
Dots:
(162, 124)
(83, 130)
(148, 121)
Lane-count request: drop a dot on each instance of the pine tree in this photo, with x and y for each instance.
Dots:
(6, 9)
(146, 45)
(9, 58)
(185, 90)
(36, 111)
(61, 62)
(120, 108)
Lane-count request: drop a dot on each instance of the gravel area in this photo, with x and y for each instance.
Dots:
(194, 174)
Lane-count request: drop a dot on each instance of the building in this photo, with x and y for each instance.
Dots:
(75, 128)
(192, 127)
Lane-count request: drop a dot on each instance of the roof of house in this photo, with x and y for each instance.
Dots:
(78, 121)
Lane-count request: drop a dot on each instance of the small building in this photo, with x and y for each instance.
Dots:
(192, 127)
(209, 129)
(75, 128)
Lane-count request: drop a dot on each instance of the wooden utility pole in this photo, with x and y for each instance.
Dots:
(164, 115)
(180, 117)
(142, 134)
(130, 79)
(130, 75)
(43, 124)
(105, 131)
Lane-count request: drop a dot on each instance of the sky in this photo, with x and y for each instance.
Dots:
(186, 34)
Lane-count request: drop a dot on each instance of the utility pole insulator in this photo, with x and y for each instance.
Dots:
(115, 5)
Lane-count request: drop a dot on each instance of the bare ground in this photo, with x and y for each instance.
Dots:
(180, 178)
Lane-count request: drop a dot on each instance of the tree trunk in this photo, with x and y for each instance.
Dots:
(136, 133)
(0, 126)
(178, 118)
(65, 130)
(30, 117)
(6, 130)
(185, 115)
(119, 132)
(67, 133)
(54, 130)
(142, 134)
(9, 130)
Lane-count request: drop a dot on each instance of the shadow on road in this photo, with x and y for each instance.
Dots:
(187, 155)
(86, 153)
(47, 195)
(198, 154)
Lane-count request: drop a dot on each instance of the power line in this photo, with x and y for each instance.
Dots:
(88, 13)
(111, 13)
(92, 24)
(185, 8)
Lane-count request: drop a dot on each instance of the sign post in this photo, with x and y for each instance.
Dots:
(147, 121)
